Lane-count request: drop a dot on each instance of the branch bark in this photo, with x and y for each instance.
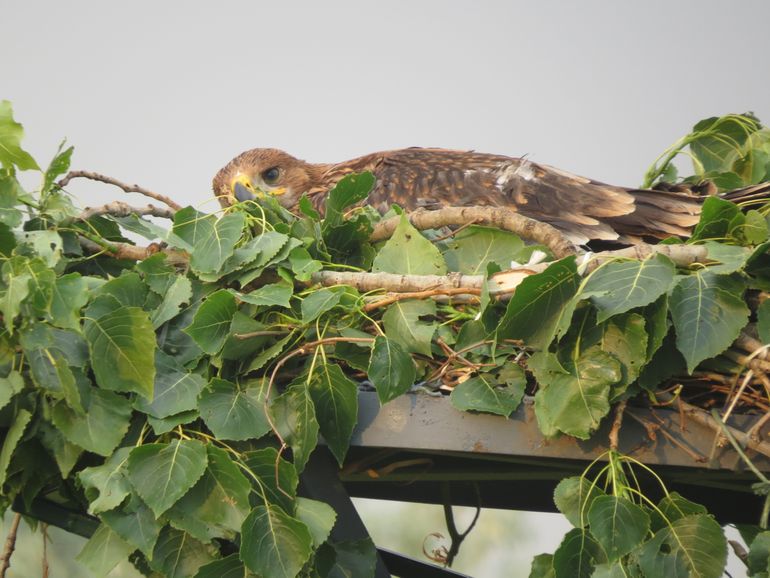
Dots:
(126, 187)
(10, 545)
(501, 283)
(500, 217)
(121, 209)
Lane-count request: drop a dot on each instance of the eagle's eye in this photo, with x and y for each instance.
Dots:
(270, 176)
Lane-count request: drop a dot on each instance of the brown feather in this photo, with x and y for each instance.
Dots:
(582, 208)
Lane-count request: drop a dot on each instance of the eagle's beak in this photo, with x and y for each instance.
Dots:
(242, 188)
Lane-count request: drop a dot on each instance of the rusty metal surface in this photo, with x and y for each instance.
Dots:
(423, 422)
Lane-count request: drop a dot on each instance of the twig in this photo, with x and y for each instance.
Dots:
(500, 217)
(110, 181)
(703, 418)
(454, 231)
(615, 430)
(258, 334)
(456, 537)
(652, 430)
(121, 209)
(420, 295)
(44, 531)
(10, 545)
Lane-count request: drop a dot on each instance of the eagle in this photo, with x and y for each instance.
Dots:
(582, 208)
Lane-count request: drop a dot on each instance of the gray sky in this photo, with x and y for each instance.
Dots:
(164, 93)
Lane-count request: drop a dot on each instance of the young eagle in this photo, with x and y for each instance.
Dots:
(582, 208)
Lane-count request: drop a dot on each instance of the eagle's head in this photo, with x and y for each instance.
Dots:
(265, 171)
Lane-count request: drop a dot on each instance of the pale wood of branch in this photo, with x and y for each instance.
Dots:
(500, 217)
(121, 209)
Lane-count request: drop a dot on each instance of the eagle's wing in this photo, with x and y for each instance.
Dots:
(435, 177)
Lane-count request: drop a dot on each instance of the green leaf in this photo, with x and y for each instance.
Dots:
(577, 555)
(122, 347)
(294, 417)
(10, 385)
(101, 427)
(620, 286)
(696, 540)
(11, 133)
(708, 315)
(409, 253)
(103, 551)
(319, 302)
(575, 398)
(176, 390)
(70, 295)
(15, 291)
(50, 372)
(391, 369)
(715, 142)
(716, 217)
(534, 311)
(232, 412)
(10, 215)
(336, 406)
(211, 323)
(179, 293)
(625, 338)
(135, 523)
(302, 264)
(12, 439)
(128, 289)
(354, 558)
(107, 485)
(177, 555)
(759, 554)
(473, 248)
(403, 324)
(731, 257)
(318, 517)
(542, 566)
(274, 544)
(47, 245)
(615, 569)
(163, 473)
(265, 464)
(227, 567)
(65, 453)
(213, 240)
(277, 294)
(672, 507)
(217, 504)
(574, 497)
(166, 424)
(350, 189)
(618, 525)
(59, 165)
(483, 393)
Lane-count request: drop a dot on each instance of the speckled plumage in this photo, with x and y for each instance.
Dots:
(428, 177)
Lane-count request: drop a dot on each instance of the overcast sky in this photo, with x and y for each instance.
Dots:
(164, 93)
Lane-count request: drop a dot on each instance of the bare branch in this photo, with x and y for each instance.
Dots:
(681, 255)
(126, 187)
(121, 209)
(615, 431)
(500, 217)
(393, 297)
(10, 545)
(499, 284)
(134, 252)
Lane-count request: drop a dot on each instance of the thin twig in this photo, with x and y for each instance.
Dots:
(420, 295)
(10, 545)
(615, 430)
(500, 217)
(456, 537)
(454, 232)
(44, 531)
(653, 429)
(126, 187)
(121, 209)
